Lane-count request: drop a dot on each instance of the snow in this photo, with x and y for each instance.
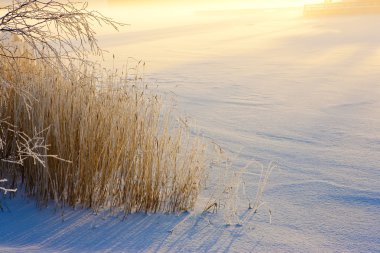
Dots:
(302, 92)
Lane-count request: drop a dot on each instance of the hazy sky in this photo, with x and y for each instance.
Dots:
(216, 3)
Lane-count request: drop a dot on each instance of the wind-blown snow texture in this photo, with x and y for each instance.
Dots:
(302, 92)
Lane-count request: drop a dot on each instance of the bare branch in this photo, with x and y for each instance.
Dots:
(59, 32)
(6, 190)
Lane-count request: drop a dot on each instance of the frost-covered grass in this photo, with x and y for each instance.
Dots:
(101, 142)
(304, 93)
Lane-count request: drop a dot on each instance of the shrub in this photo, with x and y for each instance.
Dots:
(77, 138)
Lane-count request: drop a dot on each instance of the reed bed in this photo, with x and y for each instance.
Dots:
(95, 142)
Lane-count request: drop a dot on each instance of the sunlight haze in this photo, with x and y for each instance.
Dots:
(217, 3)
(227, 125)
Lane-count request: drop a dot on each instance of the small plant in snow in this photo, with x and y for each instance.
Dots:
(231, 188)
(259, 201)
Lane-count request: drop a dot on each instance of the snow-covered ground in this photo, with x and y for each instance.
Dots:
(266, 86)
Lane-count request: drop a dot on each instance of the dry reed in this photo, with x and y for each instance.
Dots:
(230, 192)
(117, 147)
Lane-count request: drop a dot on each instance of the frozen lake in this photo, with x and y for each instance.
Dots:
(274, 86)
(267, 86)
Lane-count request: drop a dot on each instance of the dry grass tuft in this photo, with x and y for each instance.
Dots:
(229, 194)
(117, 147)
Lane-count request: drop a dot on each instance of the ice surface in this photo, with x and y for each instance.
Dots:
(302, 92)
